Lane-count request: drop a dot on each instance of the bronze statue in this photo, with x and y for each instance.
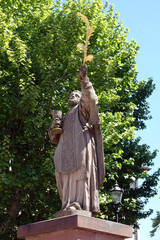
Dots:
(78, 159)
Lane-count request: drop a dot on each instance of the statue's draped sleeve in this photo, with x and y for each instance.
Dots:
(89, 102)
(89, 110)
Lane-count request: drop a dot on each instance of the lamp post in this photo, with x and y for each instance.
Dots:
(116, 195)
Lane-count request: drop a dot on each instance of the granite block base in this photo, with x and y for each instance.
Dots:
(75, 227)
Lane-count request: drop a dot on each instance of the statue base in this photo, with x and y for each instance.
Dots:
(75, 227)
(72, 211)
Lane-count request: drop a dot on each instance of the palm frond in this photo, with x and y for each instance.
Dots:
(80, 46)
(84, 18)
(90, 32)
(88, 58)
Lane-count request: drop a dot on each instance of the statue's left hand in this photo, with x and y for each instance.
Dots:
(82, 72)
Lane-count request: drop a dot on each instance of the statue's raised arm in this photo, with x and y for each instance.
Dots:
(89, 99)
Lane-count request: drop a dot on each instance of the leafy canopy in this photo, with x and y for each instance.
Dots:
(39, 65)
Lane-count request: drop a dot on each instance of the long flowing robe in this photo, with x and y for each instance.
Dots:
(78, 158)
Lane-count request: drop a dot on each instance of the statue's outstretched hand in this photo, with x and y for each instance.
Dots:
(82, 72)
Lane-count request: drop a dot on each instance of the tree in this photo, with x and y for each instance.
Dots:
(155, 224)
(39, 66)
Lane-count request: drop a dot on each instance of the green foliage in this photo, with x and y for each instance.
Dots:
(39, 65)
(155, 224)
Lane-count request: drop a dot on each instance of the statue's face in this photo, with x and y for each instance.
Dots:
(74, 98)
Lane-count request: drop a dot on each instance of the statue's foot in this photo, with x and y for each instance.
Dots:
(74, 205)
(73, 209)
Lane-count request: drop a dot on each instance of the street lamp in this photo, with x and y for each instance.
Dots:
(116, 195)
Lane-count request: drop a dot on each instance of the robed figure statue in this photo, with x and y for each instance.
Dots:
(78, 159)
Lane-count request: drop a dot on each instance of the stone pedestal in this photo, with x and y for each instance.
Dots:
(75, 227)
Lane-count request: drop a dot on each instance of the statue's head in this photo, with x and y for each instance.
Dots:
(74, 98)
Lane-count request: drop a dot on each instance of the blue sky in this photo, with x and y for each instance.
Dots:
(142, 17)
